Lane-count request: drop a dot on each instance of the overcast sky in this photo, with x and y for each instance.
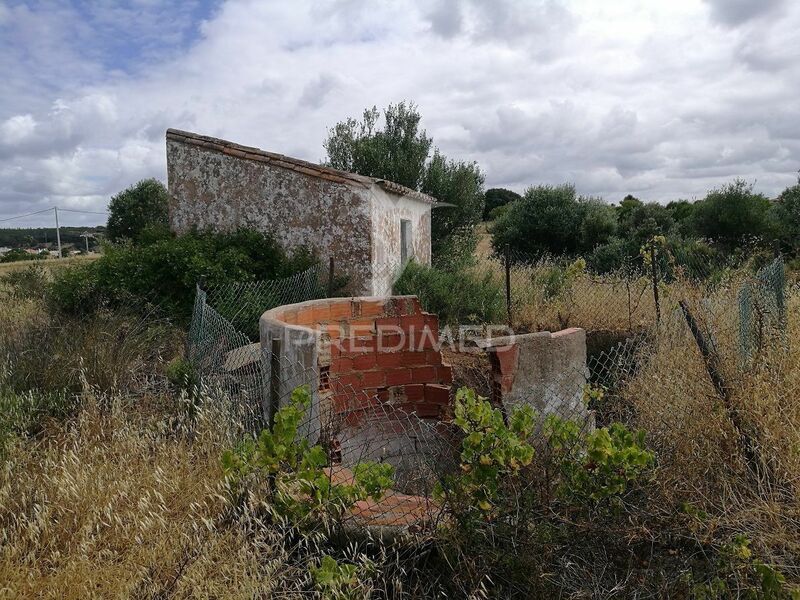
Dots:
(663, 100)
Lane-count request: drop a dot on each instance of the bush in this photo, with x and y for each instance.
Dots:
(299, 482)
(17, 254)
(546, 220)
(165, 272)
(30, 282)
(134, 210)
(495, 200)
(457, 297)
(611, 256)
(515, 498)
(732, 214)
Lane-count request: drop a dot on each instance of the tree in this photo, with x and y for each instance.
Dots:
(627, 206)
(682, 212)
(731, 214)
(644, 221)
(496, 197)
(546, 220)
(398, 151)
(140, 207)
(786, 216)
(453, 227)
(598, 223)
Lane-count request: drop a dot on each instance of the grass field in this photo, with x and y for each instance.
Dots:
(50, 263)
(111, 482)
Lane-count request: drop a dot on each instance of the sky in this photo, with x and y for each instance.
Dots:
(662, 100)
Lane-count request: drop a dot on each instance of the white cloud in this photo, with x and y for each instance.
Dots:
(663, 100)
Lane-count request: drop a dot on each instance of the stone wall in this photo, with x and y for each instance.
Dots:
(219, 189)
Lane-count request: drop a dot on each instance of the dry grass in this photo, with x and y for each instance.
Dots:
(121, 504)
(690, 426)
(49, 263)
(125, 498)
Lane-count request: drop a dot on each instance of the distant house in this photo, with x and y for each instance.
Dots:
(4, 250)
(370, 226)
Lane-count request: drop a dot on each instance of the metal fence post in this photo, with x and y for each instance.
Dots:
(508, 283)
(330, 277)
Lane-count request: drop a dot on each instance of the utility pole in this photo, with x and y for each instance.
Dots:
(58, 231)
(85, 236)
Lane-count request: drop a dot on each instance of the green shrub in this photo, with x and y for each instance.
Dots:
(299, 485)
(182, 374)
(75, 290)
(17, 254)
(491, 453)
(337, 581)
(165, 272)
(599, 466)
(457, 297)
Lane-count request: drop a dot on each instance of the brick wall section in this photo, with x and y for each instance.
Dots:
(375, 351)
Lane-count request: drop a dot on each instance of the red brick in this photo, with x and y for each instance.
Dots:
(357, 345)
(415, 392)
(387, 322)
(345, 382)
(362, 326)
(412, 359)
(505, 359)
(444, 373)
(398, 377)
(334, 332)
(388, 360)
(372, 308)
(426, 339)
(305, 317)
(341, 365)
(340, 311)
(374, 379)
(364, 361)
(413, 306)
(433, 357)
(321, 312)
(427, 411)
(437, 394)
(412, 322)
(424, 374)
(390, 342)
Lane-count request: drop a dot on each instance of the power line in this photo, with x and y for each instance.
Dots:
(55, 214)
(44, 210)
(86, 212)
(38, 212)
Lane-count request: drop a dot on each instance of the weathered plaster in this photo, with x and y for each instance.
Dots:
(544, 370)
(387, 211)
(211, 190)
(221, 186)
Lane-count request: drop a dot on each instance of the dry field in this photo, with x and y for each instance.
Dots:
(50, 263)
(113, 488)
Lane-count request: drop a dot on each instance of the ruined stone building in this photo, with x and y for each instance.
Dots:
(370, 226)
